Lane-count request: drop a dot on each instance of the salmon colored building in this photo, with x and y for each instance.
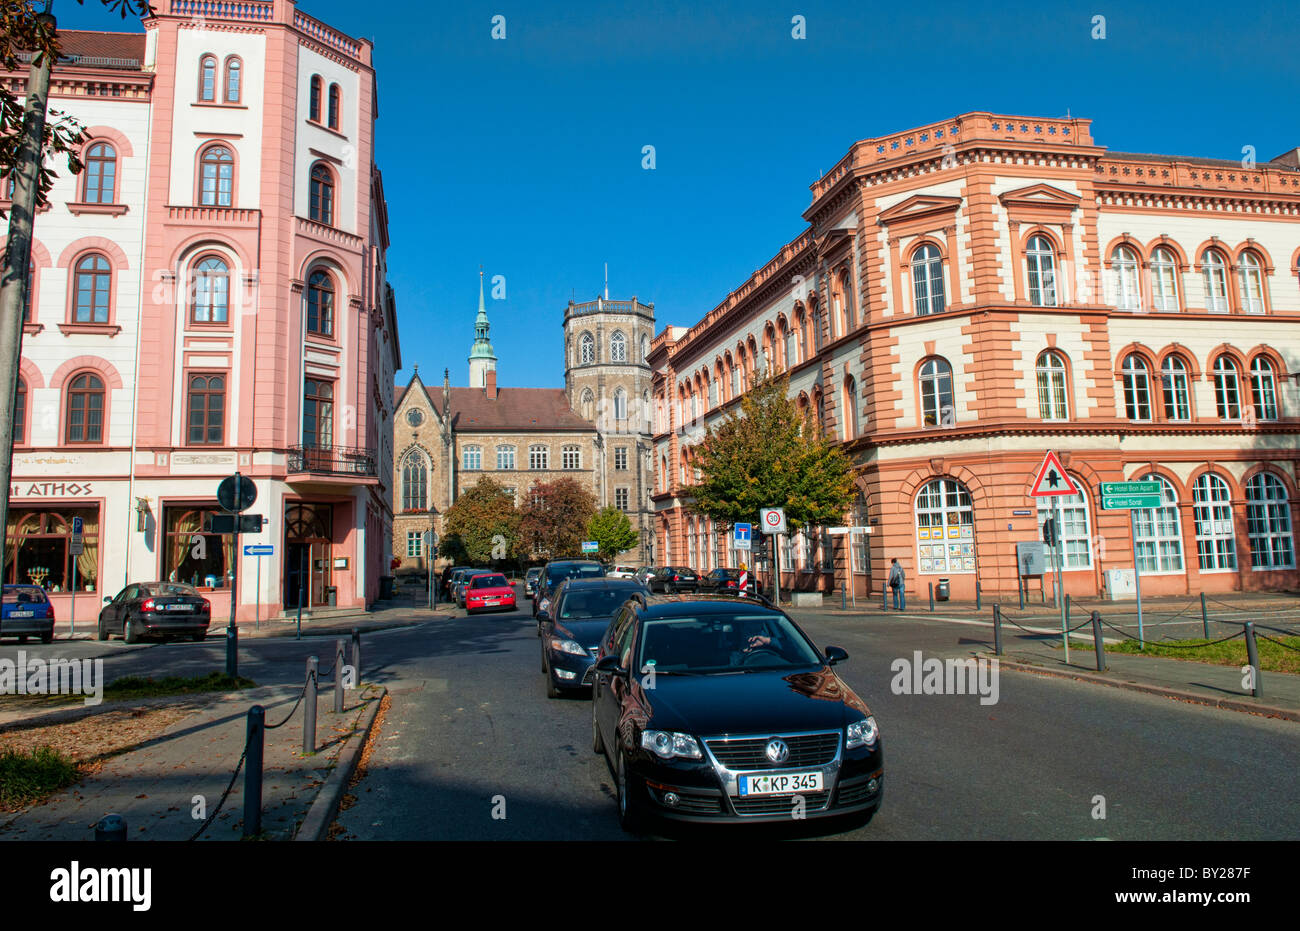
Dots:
(211, 296)
(970, 294)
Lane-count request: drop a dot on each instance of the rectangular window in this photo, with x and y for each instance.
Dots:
(539, 457)
(505, 457)
(620, 458)
(414, 544)
(471, 458)
(571, 458)
(190, 555)
(207, 410)
(621, 498)
(318, 414)
(38, 552)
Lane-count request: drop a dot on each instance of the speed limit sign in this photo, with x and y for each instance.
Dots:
(773, 520)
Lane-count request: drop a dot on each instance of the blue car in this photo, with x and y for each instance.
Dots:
(26, 612)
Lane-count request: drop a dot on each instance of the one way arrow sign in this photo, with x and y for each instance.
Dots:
(1052, 479)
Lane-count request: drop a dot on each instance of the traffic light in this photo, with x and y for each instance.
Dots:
(1049, 531)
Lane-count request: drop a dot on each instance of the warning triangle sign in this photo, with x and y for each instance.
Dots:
(1052, 479)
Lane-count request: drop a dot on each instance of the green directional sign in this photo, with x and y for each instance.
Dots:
(1110, 489)
(1129, 502)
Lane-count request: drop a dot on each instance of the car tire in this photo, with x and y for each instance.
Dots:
(631, 802)
(47, 638)
(552, 690)
(130, 632)
(22, 638)
(101, 632)
(200, 636)
(597, 744)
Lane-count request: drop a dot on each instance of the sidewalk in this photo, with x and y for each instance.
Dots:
(154, 784)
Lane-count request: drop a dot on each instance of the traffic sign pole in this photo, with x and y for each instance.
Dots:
(1060, 577)
(1137, 572)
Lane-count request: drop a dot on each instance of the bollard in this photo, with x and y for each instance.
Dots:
(1020, 590)
(1252, 657)
(253, 746)
(997, 629)
(356, 654)
(338, 676)
(884, 597)
(110, 827)
(1067, 612)
(232, 651)
(309, 709)
(844, 597)
(1097, 643)
(932, 597)
(1205, 620)
(977, 595)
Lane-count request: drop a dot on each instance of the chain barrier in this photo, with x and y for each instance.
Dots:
(1277, 630)
(1257, 609)
(224, 796)
(1285, 646)
(1196, 646)
(271, 727)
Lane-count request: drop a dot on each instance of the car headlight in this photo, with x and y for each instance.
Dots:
(862, 733)
(567, 646)
(667, 745)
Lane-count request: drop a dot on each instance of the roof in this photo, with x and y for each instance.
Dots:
(101, 49)
(1189, 160)
(667, 606)
(514, 409)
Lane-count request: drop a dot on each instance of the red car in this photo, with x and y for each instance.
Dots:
(491, 592)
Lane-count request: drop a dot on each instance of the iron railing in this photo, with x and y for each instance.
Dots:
(332, 460)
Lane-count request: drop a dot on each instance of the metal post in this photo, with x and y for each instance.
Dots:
(776, 566)
(977, 594)
(1097, 643)
(997, 629)
(338, 676)
(1137, 574)
(1021, 584)
(259, 593)
(356, 653)
(309, 707)
(1067, 611)
(931, 597)
(1057, 558)
(884, 595)
(1252, 657)
(844, 598)
(1205, 620)
(232, 651)
(72, 609)
(233, 628)
(429, 594)
(253, 771)
(302, 590)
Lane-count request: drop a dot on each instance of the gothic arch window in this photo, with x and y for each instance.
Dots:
(586, 349)
(415, 483)
(588, 405)
(620, 404)
(617, 347)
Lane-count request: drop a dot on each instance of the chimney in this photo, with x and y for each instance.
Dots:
(491, 387)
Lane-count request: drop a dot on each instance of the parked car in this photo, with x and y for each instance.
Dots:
(621, 572)
(720, 581)
(572, 630)
(463, 582)
(25, 611)
(646, 573)
(449, 578)
(685, 738)
(155, 609)
(530, 582)
(556, 571)
(490, 591)
(673, 580)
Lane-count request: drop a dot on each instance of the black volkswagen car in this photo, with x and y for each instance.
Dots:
(155, 609)
(723, 710)
(556, 571)
(572, 629)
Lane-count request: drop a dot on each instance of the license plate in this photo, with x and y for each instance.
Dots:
(22, 614)
(784, 784)
(179, 607)
(491, 602)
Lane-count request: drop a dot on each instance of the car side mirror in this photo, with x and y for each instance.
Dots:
(609, 664)
(836, 655)
(107, 599)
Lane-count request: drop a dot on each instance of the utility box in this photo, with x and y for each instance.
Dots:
(1121, 585)
(806, 599)
(1031, 557)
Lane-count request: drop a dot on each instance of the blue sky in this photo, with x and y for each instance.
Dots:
(524, 154)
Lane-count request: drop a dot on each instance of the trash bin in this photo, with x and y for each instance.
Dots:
(941, 593)
(385, 586)
(331, 595)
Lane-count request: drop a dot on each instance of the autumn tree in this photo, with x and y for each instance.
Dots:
(554, 520)
(767, 455)
(612, 530)
(482, 526)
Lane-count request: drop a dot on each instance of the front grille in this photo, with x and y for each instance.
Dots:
(749, 752)
(778, 804)
(697, 804)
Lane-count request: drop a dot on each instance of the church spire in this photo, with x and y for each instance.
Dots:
(481, 357)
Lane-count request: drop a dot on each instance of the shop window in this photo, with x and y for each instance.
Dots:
(36, 550)
(190, 555)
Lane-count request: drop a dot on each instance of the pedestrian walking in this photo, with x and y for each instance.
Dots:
(898, 582)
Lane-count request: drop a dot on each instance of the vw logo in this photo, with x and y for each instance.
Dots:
(777, 751)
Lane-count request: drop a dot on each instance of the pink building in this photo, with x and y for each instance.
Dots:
(211, 296)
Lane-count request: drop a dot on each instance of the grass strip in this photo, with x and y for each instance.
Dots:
(27, 777)
(132, 687)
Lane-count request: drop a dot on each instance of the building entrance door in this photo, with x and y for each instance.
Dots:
(308, 556)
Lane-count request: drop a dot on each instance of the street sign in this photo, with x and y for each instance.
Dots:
(1128, 502)
(590, 546)
(773, 520)
(234, 523)
(430, 538)
(1129, 488)
(743, 536)
(236, 493)
(1031, 557)
(259, 549)
(1051, 479)
(78, 525)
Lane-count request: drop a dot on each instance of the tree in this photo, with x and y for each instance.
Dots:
(768, 455)
(611, 529)
(482, 526)
(554, 519)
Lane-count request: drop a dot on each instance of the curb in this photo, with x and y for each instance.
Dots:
(323, 810)
(1227, 704)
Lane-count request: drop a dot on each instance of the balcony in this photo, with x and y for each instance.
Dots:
(334, 465)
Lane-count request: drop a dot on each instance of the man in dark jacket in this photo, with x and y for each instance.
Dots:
(898, 582)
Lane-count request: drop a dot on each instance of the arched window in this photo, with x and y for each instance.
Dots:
(645, 410)
(216, 177)
(20, 412)
(85, 411)
(208, 78)
(1137, 388)
(1173, 383)
(945, 528)
(336, 102)
(99, 186)
(320, 303)
(801, 336)
(1216, 542)
(206, 410)
(1072, 527)
(210, 301)
(1040, 264)
(1159, 537)
(936, 394)
(1214, 276)
(313, 109)
(850, 408)
(321, 206)
(847, 313)
(505, 458)
(1263, 389)
(1227, 389)
(588, 405)
(620, 404)
(735, 379)
(690, 540)
(711, 386)
(786, 357)
(1164, 280)
(570, 457)
(1124, 264)
(645, 348)
(586, 349)
(617, 347)
(1268, 518)
(1053, 403)
(1252, 283)
(927, 280)
(234, 82)
(93, 283)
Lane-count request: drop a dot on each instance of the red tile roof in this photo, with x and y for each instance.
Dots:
(514, 409)
(101, 49)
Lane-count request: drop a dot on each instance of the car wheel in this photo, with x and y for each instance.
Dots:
(101, 632)
(552, 691)
(22, 638)
(47, 638)
(200, 636)
(131, 632)
(597, 745)
(631, 804)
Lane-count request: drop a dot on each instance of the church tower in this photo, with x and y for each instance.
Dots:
(481, 357)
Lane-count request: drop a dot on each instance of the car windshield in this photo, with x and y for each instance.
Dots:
(169, 588)
(597, 602)
(723, 643)
(575, 571)
(24, 596)
(489, 581)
